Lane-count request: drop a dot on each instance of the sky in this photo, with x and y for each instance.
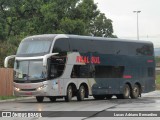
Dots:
(124, 20)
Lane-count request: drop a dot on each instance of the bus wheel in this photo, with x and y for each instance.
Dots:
(68, 98)
(81, 93)
(99, 97)
(109, 96)
(135, 92)
(39, 99)
(52, 99)
(126, 92)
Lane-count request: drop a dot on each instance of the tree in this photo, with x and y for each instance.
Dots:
(28, 17)
(101, 26)
(21, 18)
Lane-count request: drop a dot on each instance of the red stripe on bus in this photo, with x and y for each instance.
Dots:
(127, 76)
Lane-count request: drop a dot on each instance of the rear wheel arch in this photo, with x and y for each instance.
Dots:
(129, 84)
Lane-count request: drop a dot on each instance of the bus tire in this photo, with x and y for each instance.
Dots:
(52, 99)
(135, 92)
(98, 97)
(126, 92)
(68, 98)
(39, 99)
(81, 93)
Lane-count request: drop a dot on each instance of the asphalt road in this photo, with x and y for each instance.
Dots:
(148, 102)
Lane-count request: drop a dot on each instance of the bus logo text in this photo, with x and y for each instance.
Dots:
(86, 59)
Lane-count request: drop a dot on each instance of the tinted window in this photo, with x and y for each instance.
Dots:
(109, 71)
(80, 45)
(120, 48)
(140, 49)
(82, 71)
(102, 47)
(57, 66)
(110, 47)
(61, 46)
(145, 50)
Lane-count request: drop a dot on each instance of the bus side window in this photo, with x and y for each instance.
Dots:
(61, 46)
(53, 71)
(57, 65)
(75, 71)
(81, 71)
(109, 71)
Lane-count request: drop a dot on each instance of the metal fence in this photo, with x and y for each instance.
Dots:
(6, 81)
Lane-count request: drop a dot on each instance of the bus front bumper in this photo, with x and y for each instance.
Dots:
(40, 91)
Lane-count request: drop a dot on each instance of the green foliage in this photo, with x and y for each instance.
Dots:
(72, 26)
(21, 18)
(29, 17)
(7, 97)
(101, 26)
(8, 48)
(158, 82)
(157, 59)
(158, 79)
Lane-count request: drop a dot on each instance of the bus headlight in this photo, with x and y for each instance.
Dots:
(40, 88)
(17, 89)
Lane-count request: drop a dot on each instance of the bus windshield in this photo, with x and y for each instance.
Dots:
(29, 70)
(37, 46)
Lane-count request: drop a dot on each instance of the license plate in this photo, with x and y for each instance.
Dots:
(28, 93)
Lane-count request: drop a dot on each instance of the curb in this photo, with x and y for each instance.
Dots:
(155, 93)
(15, 99)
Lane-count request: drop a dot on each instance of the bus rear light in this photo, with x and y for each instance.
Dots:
(127, 76)
(149, 61)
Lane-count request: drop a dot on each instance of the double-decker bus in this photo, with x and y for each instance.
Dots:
(64, 66)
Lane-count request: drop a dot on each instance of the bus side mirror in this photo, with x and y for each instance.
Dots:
(46, 57)
(7, 59)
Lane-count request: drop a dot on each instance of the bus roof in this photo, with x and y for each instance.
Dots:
(90, 38)
(108, 39)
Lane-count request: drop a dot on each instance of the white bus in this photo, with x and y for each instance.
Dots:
(64, 66)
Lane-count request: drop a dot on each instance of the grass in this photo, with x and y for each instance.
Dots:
(157, 59)
(158, 82)
(158, 79)
(7, 97)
